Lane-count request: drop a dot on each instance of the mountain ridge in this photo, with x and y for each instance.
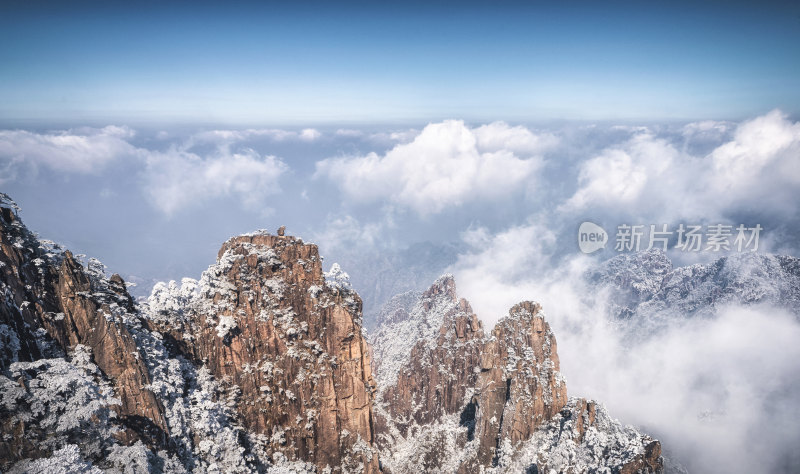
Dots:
(488, 398)
(262, 365)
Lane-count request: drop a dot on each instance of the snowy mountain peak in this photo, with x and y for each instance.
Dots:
(393, 340)
(456, 400)
(444, 285)
(268, 324)
(647, 283)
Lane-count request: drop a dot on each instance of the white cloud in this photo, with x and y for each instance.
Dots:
(759, 167)
(85, 150)
(393, 137)
(346, 233)
(309, 134)
(223, 137)
(173, 179)
(503, 269)
(706, 127)
(643, 174)
(444, 166)
(178, 179)
(498, 136)
(761, 162)
(708, 387)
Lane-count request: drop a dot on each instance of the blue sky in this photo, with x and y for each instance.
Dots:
(368, 62)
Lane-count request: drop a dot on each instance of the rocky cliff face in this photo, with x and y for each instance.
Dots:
(261, 366)
(581, 438)
(520, 385)
(51, 304)
(468, 402)
(440, 370)
(264, 320)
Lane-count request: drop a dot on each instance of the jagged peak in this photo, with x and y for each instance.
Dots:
(524, 318)
(279, 233)
(525, 309)
(445, 284)
(420, 322)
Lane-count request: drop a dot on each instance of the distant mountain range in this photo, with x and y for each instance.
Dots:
(647, 283)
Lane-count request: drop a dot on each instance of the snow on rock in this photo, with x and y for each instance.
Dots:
(67, 459)
(7, 203)
(582, 438)
(286, 344)
(225, 326)
(75, 350)
(457, 400)
(337, 278)
(646, 283)
(169, 298)
(393, 340)
(53, 402)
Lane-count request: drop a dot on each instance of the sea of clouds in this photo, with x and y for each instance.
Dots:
(496, 204)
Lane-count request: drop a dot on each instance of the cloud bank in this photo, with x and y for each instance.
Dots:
(720, 392)
(648, 175)
(86, 150)
(223, 136)
(446, 165)
(172, 180)
(179, 179)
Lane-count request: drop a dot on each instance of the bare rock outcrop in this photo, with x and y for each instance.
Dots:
(264, 320)
(51, 303)
(441, 371)
(465, 402)
(520, 385)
